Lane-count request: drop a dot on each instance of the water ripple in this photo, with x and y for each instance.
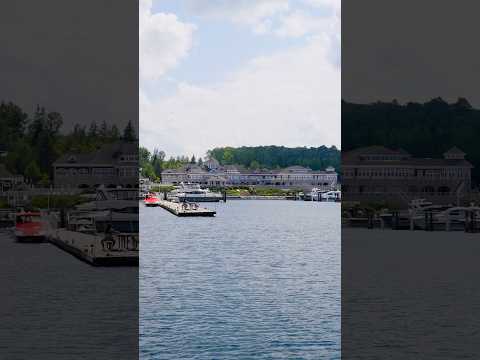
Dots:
(259, 281)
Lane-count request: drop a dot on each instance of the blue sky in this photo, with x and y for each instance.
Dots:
(243, 72)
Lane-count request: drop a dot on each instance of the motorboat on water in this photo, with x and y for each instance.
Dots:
(447, 217)
(194, 193)
(325, 195)
(117, 199)
(151, 200)
(103, 231)
(332, 196)
(29, 227)
(424, 214)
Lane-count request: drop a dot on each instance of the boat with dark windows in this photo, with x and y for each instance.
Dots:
(194, 193)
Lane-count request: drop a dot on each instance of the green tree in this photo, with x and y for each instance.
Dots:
(32, 172)
(129, 132)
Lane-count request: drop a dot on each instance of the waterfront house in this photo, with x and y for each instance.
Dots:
(112, 165)
(379, 173)
(212, 174)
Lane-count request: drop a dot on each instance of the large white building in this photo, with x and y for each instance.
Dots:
(212, 174)
(378, 173)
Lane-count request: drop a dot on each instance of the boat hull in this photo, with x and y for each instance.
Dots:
(199, 199)
(30, 238)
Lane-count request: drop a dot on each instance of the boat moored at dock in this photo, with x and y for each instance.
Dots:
(103, 232)
(151, 200)
(194, 193)
(29, 227)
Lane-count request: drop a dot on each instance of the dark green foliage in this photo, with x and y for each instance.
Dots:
(56, 201)
(424, 130)
(317, 158)
(34, 143)
(152, 165)
(129, 132)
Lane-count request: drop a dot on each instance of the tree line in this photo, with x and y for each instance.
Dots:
(271, 157)
(153, 163)
(423, 129)
(34, 142)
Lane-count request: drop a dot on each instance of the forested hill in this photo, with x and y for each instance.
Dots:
(317, 158)
(423, 129)
(33, 142)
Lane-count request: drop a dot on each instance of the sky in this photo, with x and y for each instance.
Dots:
(69, 61)
(410, 50)
(238, 72)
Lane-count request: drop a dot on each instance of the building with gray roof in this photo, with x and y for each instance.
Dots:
(379, 173)
(112, 165)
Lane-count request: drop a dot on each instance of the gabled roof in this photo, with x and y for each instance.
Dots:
(107, 154)
(454, 150)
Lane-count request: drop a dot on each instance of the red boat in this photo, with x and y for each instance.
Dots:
(151, 199)
(29, 227)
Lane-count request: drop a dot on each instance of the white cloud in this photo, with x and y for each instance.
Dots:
(163, 41)
(333, 4)
(299, 23)
(256, 14)
(291, 98)
(242, 11)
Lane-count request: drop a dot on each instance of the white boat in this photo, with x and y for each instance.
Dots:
(194, 193)
(425, 214)
(333, 195)
(101, 232)
(325, 195)
(120, 199)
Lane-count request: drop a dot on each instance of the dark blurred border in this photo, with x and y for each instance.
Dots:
(68, 131)
(410, 160)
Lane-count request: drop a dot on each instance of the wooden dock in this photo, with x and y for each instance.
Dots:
(186, 209)
(89, 249)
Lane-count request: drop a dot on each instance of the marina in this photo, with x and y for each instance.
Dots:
(102, 231)
(420, 215)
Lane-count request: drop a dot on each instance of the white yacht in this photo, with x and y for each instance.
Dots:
(194, 193)
(325, 195)
(101, 232)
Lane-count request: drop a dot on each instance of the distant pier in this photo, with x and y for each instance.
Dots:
(185, 209)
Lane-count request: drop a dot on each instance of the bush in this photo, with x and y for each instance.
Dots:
(56, 201)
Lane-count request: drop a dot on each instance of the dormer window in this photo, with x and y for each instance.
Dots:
(72, 159)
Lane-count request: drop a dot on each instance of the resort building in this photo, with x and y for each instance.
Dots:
(376, 173)
(112, 165)
(212, 174)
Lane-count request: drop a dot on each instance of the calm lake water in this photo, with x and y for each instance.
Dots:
(55, 306)
(261, 280)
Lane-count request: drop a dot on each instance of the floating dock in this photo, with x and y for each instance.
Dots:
(185, 209)
(90, 249)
